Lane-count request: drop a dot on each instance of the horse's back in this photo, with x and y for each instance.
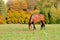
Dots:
(36, 17)
(42, 17)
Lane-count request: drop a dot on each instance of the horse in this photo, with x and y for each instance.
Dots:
(34, 18)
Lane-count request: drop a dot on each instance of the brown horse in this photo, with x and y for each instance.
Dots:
(36, 18)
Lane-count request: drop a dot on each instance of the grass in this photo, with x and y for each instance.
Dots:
(21, 32)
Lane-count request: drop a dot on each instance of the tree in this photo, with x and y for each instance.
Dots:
(32, 4)
(14, 5)
(24, 4)
(2, 7)
(2, 11)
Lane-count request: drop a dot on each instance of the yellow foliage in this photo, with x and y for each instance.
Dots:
(1, 20)
(36, 11)
(20, 17)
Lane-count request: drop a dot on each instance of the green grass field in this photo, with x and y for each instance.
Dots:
(21, 32)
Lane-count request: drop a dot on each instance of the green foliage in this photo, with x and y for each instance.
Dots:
(54, 14)
(2, 12)
(2, 7)
(44, 11)
(48, 9)
(58, 21)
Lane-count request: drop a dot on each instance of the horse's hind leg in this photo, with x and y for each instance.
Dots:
(42, 25)
(34, 28)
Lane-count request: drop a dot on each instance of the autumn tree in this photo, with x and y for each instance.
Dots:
(32, 4)
(24, 4)
(14, 5)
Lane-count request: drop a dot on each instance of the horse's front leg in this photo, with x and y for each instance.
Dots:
(30, 27)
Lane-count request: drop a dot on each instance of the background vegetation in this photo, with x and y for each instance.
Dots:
(19, 11)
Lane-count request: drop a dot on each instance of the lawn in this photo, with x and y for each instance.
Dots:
(21, 32)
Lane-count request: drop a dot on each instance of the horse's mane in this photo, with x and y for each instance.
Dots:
(30, 18)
